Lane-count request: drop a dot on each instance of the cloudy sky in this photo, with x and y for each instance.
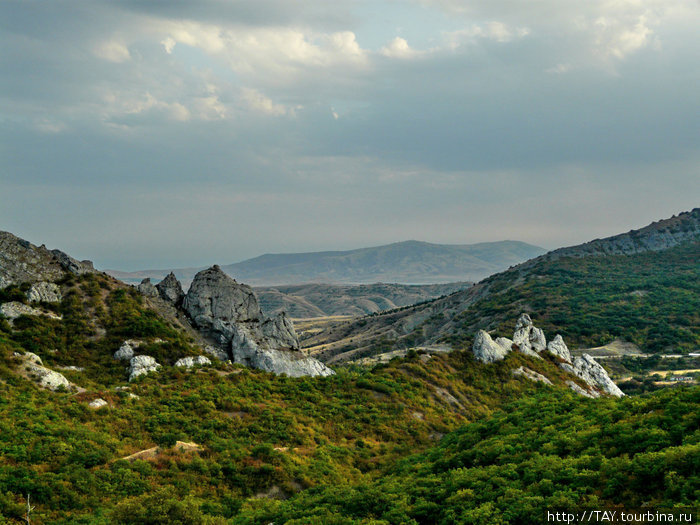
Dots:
(152, 134)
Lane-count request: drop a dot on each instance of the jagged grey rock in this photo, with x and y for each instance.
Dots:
(486, 349)
(98, 403)
(189, 362)
(504, 342)
(14, 309)
(526, 334)
(141, 365)
(531, 375)
(170, 289)
(146, 288)
(125, 352)
(228, 312)
(280, 330)
(73, 265)
(558, 347)
(45, 292)
(595, 375)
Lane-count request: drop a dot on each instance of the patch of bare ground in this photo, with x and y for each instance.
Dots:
(181, 448)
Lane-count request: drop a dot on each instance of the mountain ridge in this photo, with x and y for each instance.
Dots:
(407, 262)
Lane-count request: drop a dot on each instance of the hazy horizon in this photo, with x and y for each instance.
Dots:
(150, 135)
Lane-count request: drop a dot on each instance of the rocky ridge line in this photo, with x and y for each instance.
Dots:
(531, 341)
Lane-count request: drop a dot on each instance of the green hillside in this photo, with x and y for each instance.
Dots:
(539, 454)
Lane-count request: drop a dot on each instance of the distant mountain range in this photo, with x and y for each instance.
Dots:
(410, 262)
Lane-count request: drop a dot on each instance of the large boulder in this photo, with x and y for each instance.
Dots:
(141, 365)
(44, 292)
(125, 352)
(279, 330)
(170, 289)
(487, 350)
(42, 376)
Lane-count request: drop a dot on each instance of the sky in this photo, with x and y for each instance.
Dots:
(146, 134)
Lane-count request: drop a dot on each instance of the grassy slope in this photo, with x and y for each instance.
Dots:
(650, 299)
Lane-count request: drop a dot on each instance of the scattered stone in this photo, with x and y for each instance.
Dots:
(531, 375)
(487, 350)
(98, 403)
(72, 368)
(44, 292)
(557, 347)
(125, 352)
(170, 289)
(189, 362)
(146, 288)
(141, 365)
(15, 309)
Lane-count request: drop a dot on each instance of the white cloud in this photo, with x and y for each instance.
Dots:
(494, 30)
(112, 51)
(258, 102)
(617, 38)
(399, 48)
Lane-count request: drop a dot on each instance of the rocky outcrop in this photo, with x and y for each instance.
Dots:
(531, 375)
(170, 290)
(142, 365)
(98, 403)
(44, 292)
(189, 362)
(531, 341)
(125, 352)
(33, 368)
(557, 347)
(293, 364)
(487, 350)
(146, 288)
(228, 312)
(595, 375)
(21, 261)
(14, 309)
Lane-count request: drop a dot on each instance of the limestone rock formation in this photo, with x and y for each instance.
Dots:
(531, 341)
(146, 288)
(228, 313)
(98, 403)
(42, 376)
(595, 375)
(141, 365)
(14, 309)
(294, 364)
(44, 292)
(125, 352)
(170, 289)
(531, 375)
(189, 362)
(558, 347)
(487, 350)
